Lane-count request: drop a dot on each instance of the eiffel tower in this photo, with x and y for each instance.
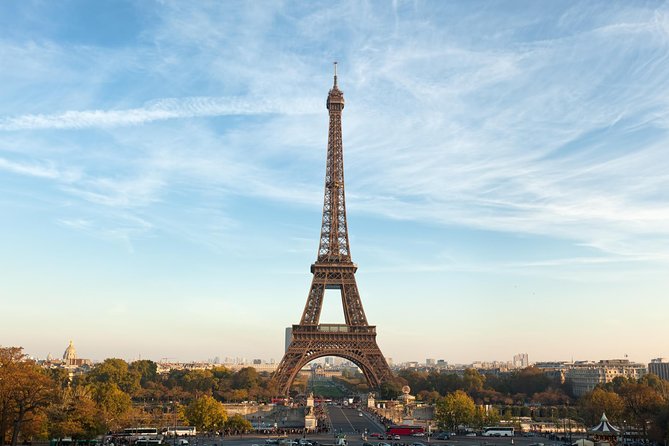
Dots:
(356, 339)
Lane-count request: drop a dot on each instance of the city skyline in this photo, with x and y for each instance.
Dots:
(162, 165)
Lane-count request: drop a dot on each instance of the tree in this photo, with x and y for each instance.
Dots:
(642, 404)
(473, 380)
(599, 401)
(483, 417)
(237, 424)
(116, 371)
(245, 378)
(454, 410)
(146, 370)
(32, 389)
(206, 414)
(113, 402)
(10, 357)
(74, 414)
(389, 390)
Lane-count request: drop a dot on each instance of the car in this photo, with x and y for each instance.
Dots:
(396, 437)
(383, 444)
(367, 444)
(470, 434)
(376, 435)
(536, 444)
(418, 434)
(359, 414)
(443, 436)
(417, 444)
(304, 442)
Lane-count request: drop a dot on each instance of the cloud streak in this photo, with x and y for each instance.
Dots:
(158, 110)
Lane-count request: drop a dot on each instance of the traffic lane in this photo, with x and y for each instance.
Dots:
(356, 440)
(347, 420)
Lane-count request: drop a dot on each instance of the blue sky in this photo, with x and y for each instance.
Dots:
(162, 163)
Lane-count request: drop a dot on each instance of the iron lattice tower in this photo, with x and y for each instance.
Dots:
(354, 340)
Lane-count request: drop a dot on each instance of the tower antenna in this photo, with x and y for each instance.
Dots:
(335, 73)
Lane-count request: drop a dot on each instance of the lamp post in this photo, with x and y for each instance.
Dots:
(174, 441)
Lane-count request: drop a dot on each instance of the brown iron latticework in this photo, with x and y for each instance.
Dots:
(356, 339)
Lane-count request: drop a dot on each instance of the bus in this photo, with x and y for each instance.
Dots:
(498, 431)
(405, 429)
(140, 431)
(181, 431)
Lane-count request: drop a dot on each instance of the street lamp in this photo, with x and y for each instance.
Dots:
(174, 405)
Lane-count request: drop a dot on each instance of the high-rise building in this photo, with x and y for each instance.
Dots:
(430, 362)
(521, 360)
(289, 337)
(659, 367)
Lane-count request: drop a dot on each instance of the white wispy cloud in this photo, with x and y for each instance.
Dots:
(157, 110)
(47, 170)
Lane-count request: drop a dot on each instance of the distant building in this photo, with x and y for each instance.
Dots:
(70, 358)
(584, 376)
(289, 337)
(430, 362)
(659, 367)
(521, 360)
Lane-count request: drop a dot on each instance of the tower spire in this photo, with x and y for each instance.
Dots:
(335, 74)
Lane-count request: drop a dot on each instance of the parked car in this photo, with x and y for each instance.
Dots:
(470, 434)
(376, 435)
(443, 436)
(396, 437)
(418, 434)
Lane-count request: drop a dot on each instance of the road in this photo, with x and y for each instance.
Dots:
(348, 421)
(356, 440)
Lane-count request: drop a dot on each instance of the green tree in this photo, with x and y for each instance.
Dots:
(206, 414)
(389, 390)
(114, 403)
(146, 370)
(237, 424)
(454, 410)
(473, 380)
(245, 378)
(116, 371)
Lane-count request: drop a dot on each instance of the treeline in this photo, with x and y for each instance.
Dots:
(38, 403)
(528, 385)
(641, 406)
